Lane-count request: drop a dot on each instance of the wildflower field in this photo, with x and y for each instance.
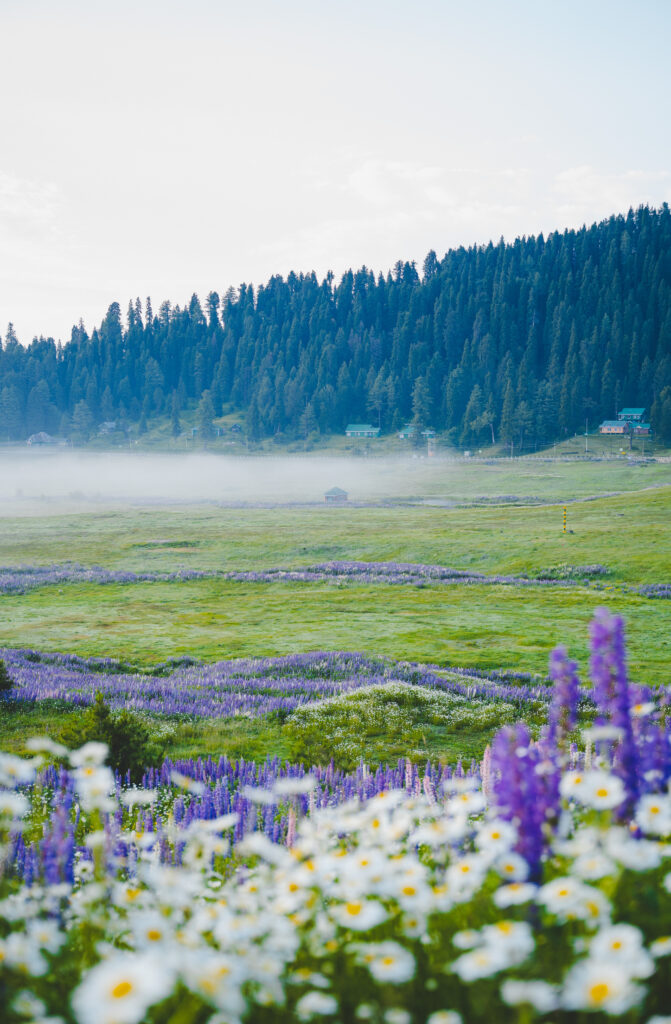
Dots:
(381, 788)
(536, 884)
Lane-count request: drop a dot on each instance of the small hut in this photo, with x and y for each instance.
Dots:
(336, 496)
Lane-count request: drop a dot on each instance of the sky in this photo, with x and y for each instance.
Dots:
(162, 148)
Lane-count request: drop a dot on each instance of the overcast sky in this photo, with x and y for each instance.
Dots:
(161, 148)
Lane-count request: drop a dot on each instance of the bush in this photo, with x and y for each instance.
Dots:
(384, 722)
(133, 746)
(6, 682)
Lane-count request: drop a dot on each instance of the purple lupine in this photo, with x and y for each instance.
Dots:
(249, 687)
(563, 711)
(519, 791)
(611, 694)
(19, 579)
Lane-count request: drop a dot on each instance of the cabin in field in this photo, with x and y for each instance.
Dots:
(614, 427)
(362, 430)
(631, 415)
(629, 421)
(41, 438)
(336, 496)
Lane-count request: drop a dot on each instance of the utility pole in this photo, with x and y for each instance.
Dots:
(586, 436)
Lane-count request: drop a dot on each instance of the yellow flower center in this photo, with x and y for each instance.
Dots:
(354, 909)
(602, 792)
(496, 835)
(387, 961)
(616, 945)
(409, 890)
(122, 989)
(599, 993)
(293, 887)
(154, 934)
(655, 810)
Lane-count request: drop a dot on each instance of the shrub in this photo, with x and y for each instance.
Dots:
(133, 745)
(383, 722)
(6, 682)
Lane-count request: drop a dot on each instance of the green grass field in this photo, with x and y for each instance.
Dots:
(477, 626)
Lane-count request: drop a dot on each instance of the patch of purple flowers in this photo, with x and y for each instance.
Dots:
(18, 580)
(248, 686)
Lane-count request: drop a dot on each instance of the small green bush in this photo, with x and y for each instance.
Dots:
(384, 722)
(6, 682)
(133, 745)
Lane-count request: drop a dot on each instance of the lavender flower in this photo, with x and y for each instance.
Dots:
(611, 694)
(563, 712)
(520, 791)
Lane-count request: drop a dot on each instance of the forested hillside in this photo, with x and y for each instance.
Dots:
(516, 342)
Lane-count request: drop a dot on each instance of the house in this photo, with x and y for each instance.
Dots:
(631, 415)
(336, 496)
(615, 427)
(41, 438)
(642, 430)
(407, 432)
(362, 430)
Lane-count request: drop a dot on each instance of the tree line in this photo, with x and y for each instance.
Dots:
(518, 342)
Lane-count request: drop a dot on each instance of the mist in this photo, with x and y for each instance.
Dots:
(46, 479)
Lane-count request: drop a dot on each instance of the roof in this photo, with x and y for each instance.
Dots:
(335, 491)
(642, 426)
(614, 423)
(361, 426)
(631, 412)
(41, 438)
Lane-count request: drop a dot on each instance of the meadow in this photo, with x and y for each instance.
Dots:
(328, 690)
(477, 626)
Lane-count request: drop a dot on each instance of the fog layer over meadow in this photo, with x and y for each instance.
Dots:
(119, 477)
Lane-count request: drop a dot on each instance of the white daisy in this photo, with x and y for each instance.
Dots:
(480, 963)
(316, 1004)
(121, 989)
(653, 814)
(359, 914)
(623, 944)
(592, 985)
(514, 894)
(539, 994)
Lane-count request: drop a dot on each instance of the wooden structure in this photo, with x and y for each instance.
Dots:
(362, 430)
(336, 496)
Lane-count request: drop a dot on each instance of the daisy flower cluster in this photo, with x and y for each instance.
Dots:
(542, 889)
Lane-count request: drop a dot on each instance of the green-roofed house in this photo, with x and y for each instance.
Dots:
(362, 430)
(631, 415)
(336, 496)
(615, 427)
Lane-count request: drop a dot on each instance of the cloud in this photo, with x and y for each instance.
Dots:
(28, 204)
(586, 194)
(387, 182)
